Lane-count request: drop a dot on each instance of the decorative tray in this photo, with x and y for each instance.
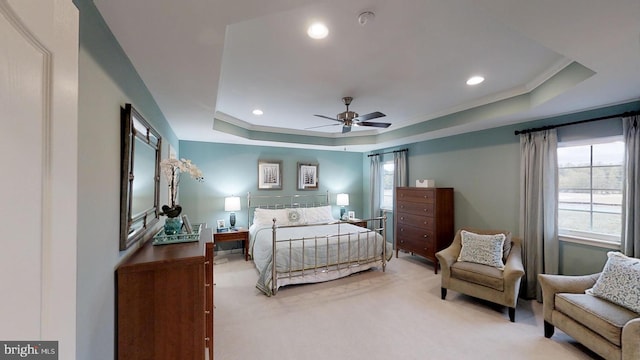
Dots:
(160, 238)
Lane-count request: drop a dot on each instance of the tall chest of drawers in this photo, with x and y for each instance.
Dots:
(424, 221)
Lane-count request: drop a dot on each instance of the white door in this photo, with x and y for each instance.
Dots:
(38, 162)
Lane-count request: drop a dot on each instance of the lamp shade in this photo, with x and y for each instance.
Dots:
(342, 199)
(232, 203)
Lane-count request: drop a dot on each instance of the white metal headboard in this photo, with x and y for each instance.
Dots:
(284, 202)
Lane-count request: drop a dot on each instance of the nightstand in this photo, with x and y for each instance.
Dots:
(358, 222)
(234, 235)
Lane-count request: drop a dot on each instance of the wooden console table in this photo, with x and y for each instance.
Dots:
(164, 301)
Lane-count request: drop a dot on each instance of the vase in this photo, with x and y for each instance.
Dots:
(173, 226)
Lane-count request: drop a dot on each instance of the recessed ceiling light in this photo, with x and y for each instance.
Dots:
(318, 31)
(475, 80)
(257, 112)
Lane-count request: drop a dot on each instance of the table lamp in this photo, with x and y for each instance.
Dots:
(342, 200)
(232, 204)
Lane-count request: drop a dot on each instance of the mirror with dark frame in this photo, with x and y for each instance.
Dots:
(140, 173)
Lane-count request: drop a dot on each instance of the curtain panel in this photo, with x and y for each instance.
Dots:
(400, 169)
(376, 185)
(630, 240)
(538, 208)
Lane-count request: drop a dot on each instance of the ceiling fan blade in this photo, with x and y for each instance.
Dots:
(346, 129)
(315, 127)
(374, 124)
(326, 117)
(373, 115)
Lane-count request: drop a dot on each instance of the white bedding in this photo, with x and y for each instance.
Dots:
(350, 248)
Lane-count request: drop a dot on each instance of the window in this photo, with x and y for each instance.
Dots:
(590, 190)
(387, 186)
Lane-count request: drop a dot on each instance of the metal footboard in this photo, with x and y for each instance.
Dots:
(346, 251)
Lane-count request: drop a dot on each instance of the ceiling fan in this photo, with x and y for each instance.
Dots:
(351, 118)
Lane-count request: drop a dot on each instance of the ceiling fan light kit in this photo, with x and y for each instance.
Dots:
(351, 118)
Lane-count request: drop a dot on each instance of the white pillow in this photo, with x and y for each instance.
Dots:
(264, 217)
(620, 281)
(320, 214)
(482, 249)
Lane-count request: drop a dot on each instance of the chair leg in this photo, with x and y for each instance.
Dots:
(548, 330)
(443, 293)
(512, 314)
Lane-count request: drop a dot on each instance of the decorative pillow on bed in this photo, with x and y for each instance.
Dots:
(482, 249)
(264, 217)
(320, 214)
(620, 281)
(295, 217)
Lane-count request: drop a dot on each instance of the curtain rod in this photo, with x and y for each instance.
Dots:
(549, 127)
(388, 152)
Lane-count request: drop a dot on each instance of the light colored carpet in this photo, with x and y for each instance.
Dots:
(397, 314)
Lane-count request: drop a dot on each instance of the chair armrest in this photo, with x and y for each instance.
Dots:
(512, 275)
(631, 340)
(446, 258)
(553, 284)
(514, 269)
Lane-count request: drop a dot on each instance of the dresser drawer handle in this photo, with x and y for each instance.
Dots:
(207, 312)
(206, 262)
(425, 236)
(207, 285)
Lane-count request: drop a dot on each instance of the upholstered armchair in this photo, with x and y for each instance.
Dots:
(608, 329)
(500, 286)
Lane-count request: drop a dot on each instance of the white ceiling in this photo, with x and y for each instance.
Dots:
(209, 63)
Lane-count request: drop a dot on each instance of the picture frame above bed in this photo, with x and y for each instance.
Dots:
(269, 175)
(308, 176)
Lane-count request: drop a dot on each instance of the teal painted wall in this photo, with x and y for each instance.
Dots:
(580, 259)
(233, 170)
(477, 166)
(107, 81)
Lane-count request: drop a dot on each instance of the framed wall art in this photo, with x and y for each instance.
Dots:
(269, 175)
(307, 176)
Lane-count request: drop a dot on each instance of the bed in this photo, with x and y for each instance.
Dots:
(294, 239)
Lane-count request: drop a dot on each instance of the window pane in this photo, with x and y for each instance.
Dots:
(574, 220)
(387, 199)
(607, 201)
(574, 156)
(608, 154)
(610, 224)
(590, 194)
(387, 185)
(607, 177)
(574, 178)
(575, 200)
